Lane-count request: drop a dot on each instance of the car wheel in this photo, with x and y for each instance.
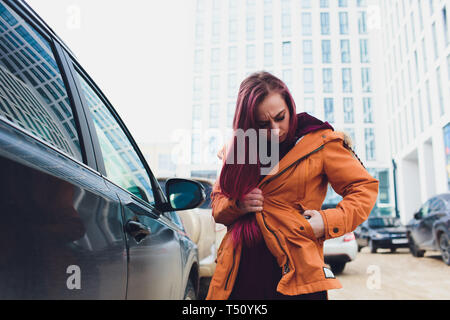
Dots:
(444, 248)
(415, 249)
(372, 247)
(189, 293)
(393, 250)
(337, 267)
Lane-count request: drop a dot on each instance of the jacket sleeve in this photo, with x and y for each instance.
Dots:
(350, 180)
(224, 210)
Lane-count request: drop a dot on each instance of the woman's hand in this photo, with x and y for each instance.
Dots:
(252, 201)
(316, 221)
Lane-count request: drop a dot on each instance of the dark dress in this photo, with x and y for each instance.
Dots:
(259, 273)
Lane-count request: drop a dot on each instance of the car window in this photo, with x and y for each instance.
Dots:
(436, 205)
(122, 164)
(32, 92)
(425, 209)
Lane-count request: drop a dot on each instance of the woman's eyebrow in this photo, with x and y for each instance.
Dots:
(279, 113)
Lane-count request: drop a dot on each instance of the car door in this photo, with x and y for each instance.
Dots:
(436, 210)
(155, 267)
(61, 232)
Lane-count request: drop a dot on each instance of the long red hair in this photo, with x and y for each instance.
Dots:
(236, 180)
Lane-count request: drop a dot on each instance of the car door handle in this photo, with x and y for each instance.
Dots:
(137, 230)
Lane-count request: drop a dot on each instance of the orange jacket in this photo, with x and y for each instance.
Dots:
(300, 183)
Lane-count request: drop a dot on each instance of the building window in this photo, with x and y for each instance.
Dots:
(215, 86)
(231, 107)
(198, 60)
(306, 4)
(361, 3)
(343, 3)
(251, 27)
(445, 26)
(420, 107)
(364, 50)
(383, 194)
(287, 53)
(369, 137)
(309, 106)
(366, 80)
(343, 22)
(215, 59)
(307, 51)
(232, 29)
(232, 85)
(424, 55)
(345, 51)
(268, 27)
(368, 110)
(325, 23)
(308, 80)
(306, 24)
(362, 25)
(251, 56)
(214, 113)
(430, 114)
(232, 58)
(215, 30)
(327, 80)
(324, 3)
(348, 110)
(435, 42)
(326, 51)
(197, 116)
(268, 54)
(197, 88)
(286, 24)
(439, 87)
(328, 107)
(287, 77)
(347, 80)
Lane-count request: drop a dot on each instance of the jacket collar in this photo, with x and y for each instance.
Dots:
(310, 143)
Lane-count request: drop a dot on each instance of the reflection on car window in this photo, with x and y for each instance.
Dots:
(122, 163)
(32, 92)
(208, 189)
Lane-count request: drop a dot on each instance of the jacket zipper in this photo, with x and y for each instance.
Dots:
(286, 265)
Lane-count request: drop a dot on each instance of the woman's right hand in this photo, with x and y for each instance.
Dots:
(252, 201)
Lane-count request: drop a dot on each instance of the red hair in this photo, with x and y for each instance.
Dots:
(236, 180)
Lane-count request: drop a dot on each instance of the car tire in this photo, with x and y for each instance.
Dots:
(393, 250)
(189, 293)
(414, 249)
(337, 267)
(372, 247)
(444, 248)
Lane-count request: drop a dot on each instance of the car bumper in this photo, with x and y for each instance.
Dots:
(336, 250)
(391, 243)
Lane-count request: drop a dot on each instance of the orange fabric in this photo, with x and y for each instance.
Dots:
(299, 183)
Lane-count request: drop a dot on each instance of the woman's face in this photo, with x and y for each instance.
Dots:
(273, 114)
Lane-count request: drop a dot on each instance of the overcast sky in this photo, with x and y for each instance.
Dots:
(137, 51)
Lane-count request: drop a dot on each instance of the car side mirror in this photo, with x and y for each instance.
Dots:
(183, 194)
(418, 215)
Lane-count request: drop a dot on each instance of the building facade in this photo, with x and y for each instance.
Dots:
(326, 51)
(415, 37)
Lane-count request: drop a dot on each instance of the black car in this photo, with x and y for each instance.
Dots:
(381, 233)
(430, 227)
(82, 215)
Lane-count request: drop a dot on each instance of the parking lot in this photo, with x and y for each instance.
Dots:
(392, 276)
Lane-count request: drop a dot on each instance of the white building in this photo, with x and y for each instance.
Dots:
(325, 50)
(417, 97)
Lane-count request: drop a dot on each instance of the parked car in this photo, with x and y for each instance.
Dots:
(380, 232)
(83, 216)
(338, 251)
(430, 227)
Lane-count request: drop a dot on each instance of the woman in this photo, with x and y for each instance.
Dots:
(274, 245)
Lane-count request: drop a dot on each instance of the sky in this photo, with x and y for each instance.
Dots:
(138, 52)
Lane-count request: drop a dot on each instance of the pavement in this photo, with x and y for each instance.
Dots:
(394, 276)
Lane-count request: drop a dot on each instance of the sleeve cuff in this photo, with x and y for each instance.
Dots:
(333, 222)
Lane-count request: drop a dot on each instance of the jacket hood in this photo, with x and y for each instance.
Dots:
(307, 123)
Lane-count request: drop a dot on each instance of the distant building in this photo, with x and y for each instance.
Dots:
(325, 51)
(416, 49)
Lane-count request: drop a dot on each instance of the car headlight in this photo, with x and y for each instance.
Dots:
(379, 235)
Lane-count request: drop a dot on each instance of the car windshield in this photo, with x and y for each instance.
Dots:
(383, 222)
(208, 190)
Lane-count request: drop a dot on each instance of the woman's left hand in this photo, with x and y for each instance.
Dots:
(316, 221)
